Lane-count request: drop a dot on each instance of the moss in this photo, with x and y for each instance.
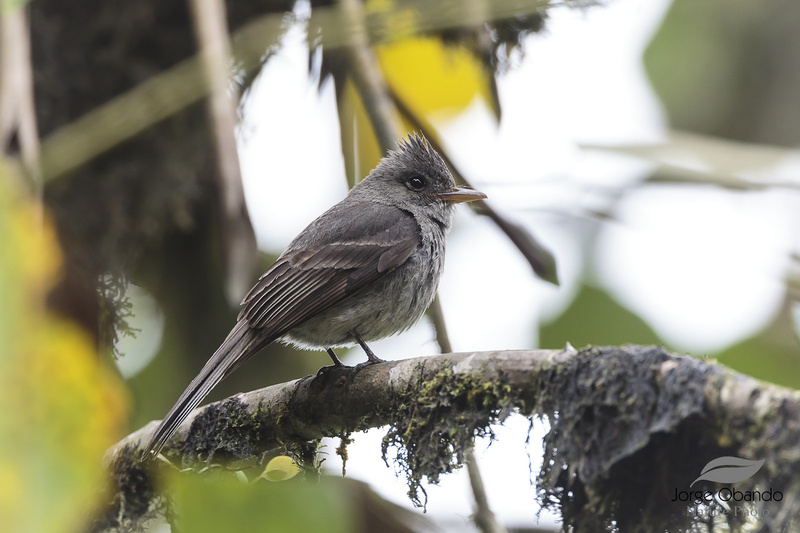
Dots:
(625, 430)
(134, 499)
(619, 423)
(435, 422)
(115, 310)
(341, 450)
(223, 433)
(305, 454)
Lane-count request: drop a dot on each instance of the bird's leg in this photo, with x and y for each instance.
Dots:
(371, 357)
(336, 361)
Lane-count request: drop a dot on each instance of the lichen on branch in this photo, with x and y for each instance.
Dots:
(628, 426)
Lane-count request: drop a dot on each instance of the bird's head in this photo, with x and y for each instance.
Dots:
(414, 177)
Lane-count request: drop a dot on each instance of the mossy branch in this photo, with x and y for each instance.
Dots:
(628, 426)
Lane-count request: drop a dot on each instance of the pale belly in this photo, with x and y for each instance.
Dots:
(390, 305)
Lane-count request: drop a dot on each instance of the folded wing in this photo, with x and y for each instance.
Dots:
(319, 269)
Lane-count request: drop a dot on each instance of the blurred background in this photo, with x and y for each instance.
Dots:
(648, 146)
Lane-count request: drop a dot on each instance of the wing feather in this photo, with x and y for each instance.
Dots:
(318, 270)
(305, 280)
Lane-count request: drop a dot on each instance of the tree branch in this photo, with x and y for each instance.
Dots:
(628, 427)
(368, 78)
(483, 516)
(237, 235)
(17, 103)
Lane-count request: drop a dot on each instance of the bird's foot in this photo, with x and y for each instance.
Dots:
(361, 366)
(374, 360)
(325, 369)
(371, 357)
(336, 363)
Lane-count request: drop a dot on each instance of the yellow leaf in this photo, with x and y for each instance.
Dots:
(359, 145)
(434, 79)
(61, 406)
(280, 468)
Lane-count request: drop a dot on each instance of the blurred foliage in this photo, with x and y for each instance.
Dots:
(432, 77)
(433, 67)
(691, 159)
(772, 354)
(280, 468)
(62, 407)
(595, 318)
(729, 68)
(224, 502)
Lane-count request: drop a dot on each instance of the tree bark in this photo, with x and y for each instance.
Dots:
(629, 426)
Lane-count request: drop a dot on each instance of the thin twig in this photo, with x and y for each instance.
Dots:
(368, 78)
(238, 238)
(436, 315)
(484, 517)
(17, 103)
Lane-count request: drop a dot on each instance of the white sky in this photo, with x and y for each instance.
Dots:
(704, 269)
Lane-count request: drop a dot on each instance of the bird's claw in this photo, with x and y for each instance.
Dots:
(326, 369)
(372, 361)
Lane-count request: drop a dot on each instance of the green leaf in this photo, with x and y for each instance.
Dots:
(594, 317)
(225, 503)
(773, 354)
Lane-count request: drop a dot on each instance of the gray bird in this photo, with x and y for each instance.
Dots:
(366, 269)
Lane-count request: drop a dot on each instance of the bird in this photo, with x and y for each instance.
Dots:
(365, 269)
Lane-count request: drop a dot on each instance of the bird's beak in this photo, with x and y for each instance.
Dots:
(458, 196)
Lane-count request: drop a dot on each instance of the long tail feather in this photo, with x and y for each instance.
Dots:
(240, 344)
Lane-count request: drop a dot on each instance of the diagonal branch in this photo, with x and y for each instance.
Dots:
(238, 237)
(483, 517)
(17, 105)
(368, 78)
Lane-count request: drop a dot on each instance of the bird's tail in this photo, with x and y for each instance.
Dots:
(240, 344)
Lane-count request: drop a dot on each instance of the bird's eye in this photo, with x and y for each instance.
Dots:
(416, 183)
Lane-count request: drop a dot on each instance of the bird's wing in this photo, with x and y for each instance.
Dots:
(307, 279)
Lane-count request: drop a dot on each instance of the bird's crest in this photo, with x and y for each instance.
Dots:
(418, 149)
